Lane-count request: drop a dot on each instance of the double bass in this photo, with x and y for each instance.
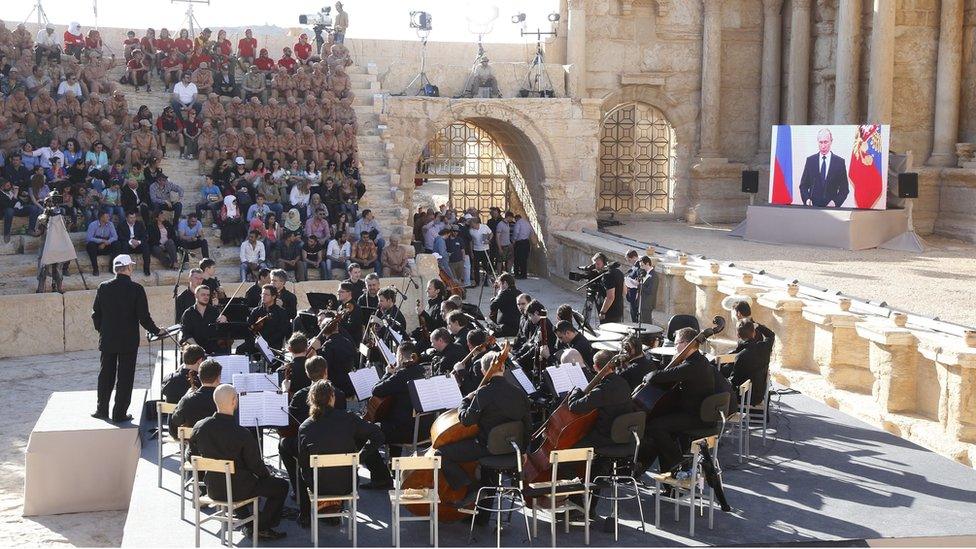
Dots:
(448, 429)
(655, 399)
(452, 286)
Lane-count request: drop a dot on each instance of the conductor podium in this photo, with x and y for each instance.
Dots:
(76, 463)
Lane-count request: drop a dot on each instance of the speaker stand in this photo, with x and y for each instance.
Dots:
(908, 241)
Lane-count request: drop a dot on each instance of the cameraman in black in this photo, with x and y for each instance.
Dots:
(612, 309)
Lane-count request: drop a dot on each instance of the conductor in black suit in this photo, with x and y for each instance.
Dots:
(824, 179)
(120, 305)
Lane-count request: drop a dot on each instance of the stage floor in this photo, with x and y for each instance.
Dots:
(936, 282)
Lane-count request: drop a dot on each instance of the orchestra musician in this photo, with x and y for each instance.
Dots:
(276, 326)
(369, 300)
(196, 405)
(199, 323)
(468, 375)
(334, 431)
(695, 381)
(493, 404)
(298, 347)
(388, 312)
(569, 338)
(398, 425)
(221, 437)
(504, 309)
(355, 278)
(446, 349)
(459, 324)
(538, 345)
(209, 268)
(286, 299)
(635, 371)
(179, 382)
(429, 317)
(525, 327)
(340, 352)
(187, 297)
(612, 308)
(751, 357)
(253, 295)
(355, 322)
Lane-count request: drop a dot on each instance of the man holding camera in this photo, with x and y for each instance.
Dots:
(612, 309)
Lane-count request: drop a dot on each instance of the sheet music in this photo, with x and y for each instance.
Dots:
(265, 348)
(566, 377)
(363, 349)
(523, 380)
(437, 393)
(252, 383)
(388, 355)
(263, 409)
(396, 337)
(232, 364)
(363, 381)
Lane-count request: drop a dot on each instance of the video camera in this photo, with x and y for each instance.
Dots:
(588, 272)
(322, 19)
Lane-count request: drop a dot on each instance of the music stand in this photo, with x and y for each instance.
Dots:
(170, 332)
(320, 301)
(233, 330)
(237, 310)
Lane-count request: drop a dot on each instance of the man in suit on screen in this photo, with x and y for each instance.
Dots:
(824, 181)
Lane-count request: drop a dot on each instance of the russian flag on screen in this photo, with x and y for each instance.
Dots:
(783, 167)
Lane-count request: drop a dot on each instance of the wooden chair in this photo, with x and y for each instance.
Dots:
(686, 489)
(186, 469)
(224, 509)
(555, 492)
(163, 408)
(399, 498)
(323, 461)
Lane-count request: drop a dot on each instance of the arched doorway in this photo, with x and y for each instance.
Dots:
(637, 161)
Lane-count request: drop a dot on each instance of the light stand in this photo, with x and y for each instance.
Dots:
(538, 83)
(190, 20)
(421, 78)
(41, 14)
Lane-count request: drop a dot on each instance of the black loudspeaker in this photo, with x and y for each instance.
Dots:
(750, 181)
(908, 185)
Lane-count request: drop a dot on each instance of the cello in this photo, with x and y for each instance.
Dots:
(448, 429)
(564, 429)
(452, 286)
(655, 399)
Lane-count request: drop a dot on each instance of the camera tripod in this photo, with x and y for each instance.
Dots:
(41, 14)
(424, 82)
(538, 83)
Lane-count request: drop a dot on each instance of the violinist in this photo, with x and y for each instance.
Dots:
(356, 279)
(525, 327)
(339, 351)
(389, 313)
(543, 339)
(751, 357)
(504, 309)
(253, 295)
(446, 349)
(199, 323)
(459, 324)
(286, 299)
(369, 300)
(398, 425)
(695, 381)
(569, 338)
(178, 383)
(295, 370)
(209, 268)
(275, 326)
(187, 297)
(355, 321)
(429, 317)
(467, 374)
(493, 404)
(635, 370)
(198, 404)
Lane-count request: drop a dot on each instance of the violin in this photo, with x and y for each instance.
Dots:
(488, 344)
(543, 341)
(424, 329)
(452, 286)
(331, 327)
(193, 378)
(258, 326)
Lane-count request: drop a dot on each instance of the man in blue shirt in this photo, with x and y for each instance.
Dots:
(189, 235)
(101, 239)
(212, 200)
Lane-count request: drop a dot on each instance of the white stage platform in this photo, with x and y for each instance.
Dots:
(833, 228)
(77, 463)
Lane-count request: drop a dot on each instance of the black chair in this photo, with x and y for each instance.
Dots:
(503, 462)
(626, 433)
(713, 411)
(678, 322)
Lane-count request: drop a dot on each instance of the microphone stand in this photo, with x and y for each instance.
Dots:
(179, 274)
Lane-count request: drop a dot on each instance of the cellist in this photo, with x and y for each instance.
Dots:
(398, 425)
(496, 402)
(180, 382)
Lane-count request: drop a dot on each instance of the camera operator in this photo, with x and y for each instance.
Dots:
(341, 24)
(612, 309)
(56, 246)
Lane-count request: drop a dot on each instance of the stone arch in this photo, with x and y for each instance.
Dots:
(522, 141)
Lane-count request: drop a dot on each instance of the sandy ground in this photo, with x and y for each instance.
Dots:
(938, 282)
(27, 384)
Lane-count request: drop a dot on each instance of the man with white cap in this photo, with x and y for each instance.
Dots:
(46, 44)
(120, 306)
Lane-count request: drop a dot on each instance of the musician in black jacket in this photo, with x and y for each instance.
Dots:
(119, 308)
(504, 309)
(541, 343)
(276, 326)
(430, 317)
(199, 323)
(495, 403)
(449, 352)
(286, 299)
(569, 338)
(526, 328)
(196, 405)
(220, 437)
(341, 354)
(355, 278)
(355, 321)
(398, 425)
(253, 295)
(332, 431)
(178, 383)
(751, 359)
(186, 299)
(297, 378)
(459, 324)
(368, 301)
(635, 370)
(388, 312)
(695, 381)
(468, 374)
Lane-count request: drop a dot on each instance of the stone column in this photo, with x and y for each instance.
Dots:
(799, 63)
(881, 80)
(677, 296)
(893, 354)
(841, 356)
(847, 56)
(782, 312)
(947, 86)
(771, 67)
(955, 360)
(711, 85)
(576, 48)
(708, 302)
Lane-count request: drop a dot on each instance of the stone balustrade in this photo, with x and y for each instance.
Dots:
(838, 351)
(708, 300)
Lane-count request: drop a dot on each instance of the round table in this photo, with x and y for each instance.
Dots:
(628, 327)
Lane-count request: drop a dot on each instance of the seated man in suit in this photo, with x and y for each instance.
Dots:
(449, 352)
(695, 379)
(220, 437)
(329, 430)
(538, 321)
(751, 359)
(496, 402)
(468, 374)
(569, 338)
(178, 383)
(398, 425)
(133, 239)
(824, 181)
(196, 405)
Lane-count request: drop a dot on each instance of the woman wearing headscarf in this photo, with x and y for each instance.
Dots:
(293, 221)
(74, 40)
(231, 222)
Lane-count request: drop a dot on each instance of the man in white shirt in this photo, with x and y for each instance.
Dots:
(252, 255)
(47, 44)
(521, 232)
(185, 96)
(338, 253)
(47, 153)
(480, 243)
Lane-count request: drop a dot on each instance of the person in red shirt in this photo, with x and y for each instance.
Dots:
(94, 41)
(74, 40)
(224, 46)
(264, 62)
(287, 62)
(130, 44)
(200, 55)
(165, 43)
(148, 47)
(303, 50)
(183, 42)
(138, 70)
(172, 67)
(247, 47)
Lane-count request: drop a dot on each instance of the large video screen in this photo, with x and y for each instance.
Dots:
(829, 166)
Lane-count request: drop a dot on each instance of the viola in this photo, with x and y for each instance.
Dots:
(193, 378)
(424, 329)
